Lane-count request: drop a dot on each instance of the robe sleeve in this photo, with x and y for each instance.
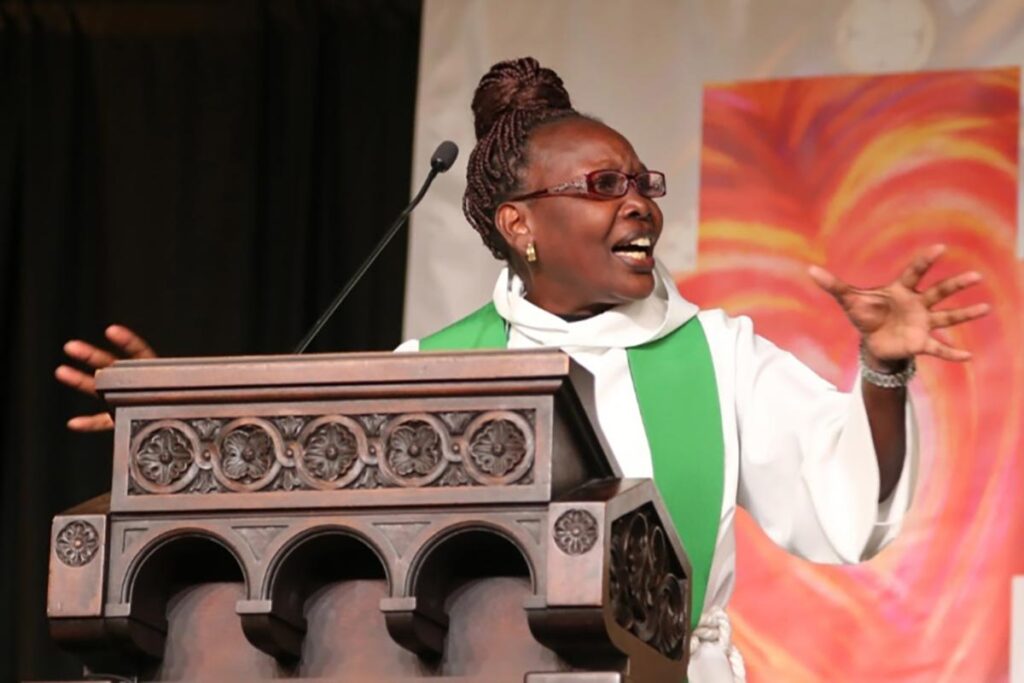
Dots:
(408, 346)
(807, 467)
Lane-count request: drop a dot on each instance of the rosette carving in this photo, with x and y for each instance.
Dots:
(575, 532)
(247, 449)
(247, 454)
(414, 450)
(331, 450)
(77, 543)
(646, 586)
(163, 456)
(500, 447)
(219, 455)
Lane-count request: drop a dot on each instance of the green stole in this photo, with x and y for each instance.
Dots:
(674, 380)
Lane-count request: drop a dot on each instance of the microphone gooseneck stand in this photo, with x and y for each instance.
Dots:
(442, 159)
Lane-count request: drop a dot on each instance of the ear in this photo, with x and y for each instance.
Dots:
(512, 221)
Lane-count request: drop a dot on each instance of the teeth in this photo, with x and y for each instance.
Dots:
(637, 249)
(638, 255)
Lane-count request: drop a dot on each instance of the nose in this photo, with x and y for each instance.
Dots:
(635, 206)
(637, 214)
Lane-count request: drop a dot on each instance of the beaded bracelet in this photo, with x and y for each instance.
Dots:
(886, 380)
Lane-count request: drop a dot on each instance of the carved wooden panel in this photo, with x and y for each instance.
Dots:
(77, 565)
(331, 452)
(647, 586)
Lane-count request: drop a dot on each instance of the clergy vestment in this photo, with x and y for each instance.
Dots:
(797, 455)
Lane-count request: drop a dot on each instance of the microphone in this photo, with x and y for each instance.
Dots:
(440, 161)
(444, 156)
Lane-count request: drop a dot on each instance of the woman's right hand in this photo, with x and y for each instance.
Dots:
(129, 344)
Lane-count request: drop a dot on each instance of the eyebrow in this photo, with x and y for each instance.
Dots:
(609, 164)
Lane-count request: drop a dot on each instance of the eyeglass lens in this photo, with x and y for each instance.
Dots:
(616, 184)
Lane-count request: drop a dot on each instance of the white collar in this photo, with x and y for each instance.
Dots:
(631, 324)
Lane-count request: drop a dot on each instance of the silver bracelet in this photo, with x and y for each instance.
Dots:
(886, 380)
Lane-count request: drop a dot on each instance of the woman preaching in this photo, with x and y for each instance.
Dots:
(566, 202)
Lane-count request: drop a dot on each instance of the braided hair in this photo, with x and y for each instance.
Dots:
(512, 99)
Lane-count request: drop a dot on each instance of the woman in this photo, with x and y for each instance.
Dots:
(565, 200)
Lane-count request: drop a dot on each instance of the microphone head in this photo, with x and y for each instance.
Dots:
(444, 156)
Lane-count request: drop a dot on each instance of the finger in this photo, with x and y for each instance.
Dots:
(89, 354)
(91, 423)
(920, 265)
(950, 286)
(933, 347)
(956, 316)
(76, 379)
(132, 344)
(827, 281)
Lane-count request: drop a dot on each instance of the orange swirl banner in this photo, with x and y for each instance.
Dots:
(858, 173)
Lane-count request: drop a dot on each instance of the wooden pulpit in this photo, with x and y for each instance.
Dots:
(367, 517)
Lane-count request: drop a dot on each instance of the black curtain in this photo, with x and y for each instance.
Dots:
(208, 173)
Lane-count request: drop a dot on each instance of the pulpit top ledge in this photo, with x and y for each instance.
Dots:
(359, 430)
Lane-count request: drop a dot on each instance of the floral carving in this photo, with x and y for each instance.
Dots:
(330, 451)
(164, 456)
(456, 422)
(223, 455)
(369, 479)
(646, 587)
(287, 480)
(247, 454)
(77, 543)
(455, 475)
(498, 447)
(206, 428)
(290, 426)
(204, 483)
(575, 532)
(414, 449)
(373, 423)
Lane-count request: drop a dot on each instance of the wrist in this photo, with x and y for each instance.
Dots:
(886, 366)
(889, 373)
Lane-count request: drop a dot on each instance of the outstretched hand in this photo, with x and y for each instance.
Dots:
(896, 321)
(129, 344)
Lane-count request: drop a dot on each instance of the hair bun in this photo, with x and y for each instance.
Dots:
(516, 85)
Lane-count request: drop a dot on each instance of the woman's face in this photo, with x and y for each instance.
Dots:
(592, 254)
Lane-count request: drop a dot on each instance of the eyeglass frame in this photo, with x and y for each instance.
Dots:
(584, 186)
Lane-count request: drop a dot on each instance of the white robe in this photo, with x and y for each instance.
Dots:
(798, 452)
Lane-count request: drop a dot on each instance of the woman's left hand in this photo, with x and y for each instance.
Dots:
(896, 321)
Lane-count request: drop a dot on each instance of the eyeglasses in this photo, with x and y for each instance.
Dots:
(605, 184)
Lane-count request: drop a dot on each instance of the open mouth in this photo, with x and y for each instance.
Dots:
(637, 251)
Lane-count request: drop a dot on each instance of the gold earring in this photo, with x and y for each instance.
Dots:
(531, 253)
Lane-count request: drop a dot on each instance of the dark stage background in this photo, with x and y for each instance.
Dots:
(208, 173)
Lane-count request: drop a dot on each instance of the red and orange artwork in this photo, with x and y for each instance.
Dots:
(858, 173)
